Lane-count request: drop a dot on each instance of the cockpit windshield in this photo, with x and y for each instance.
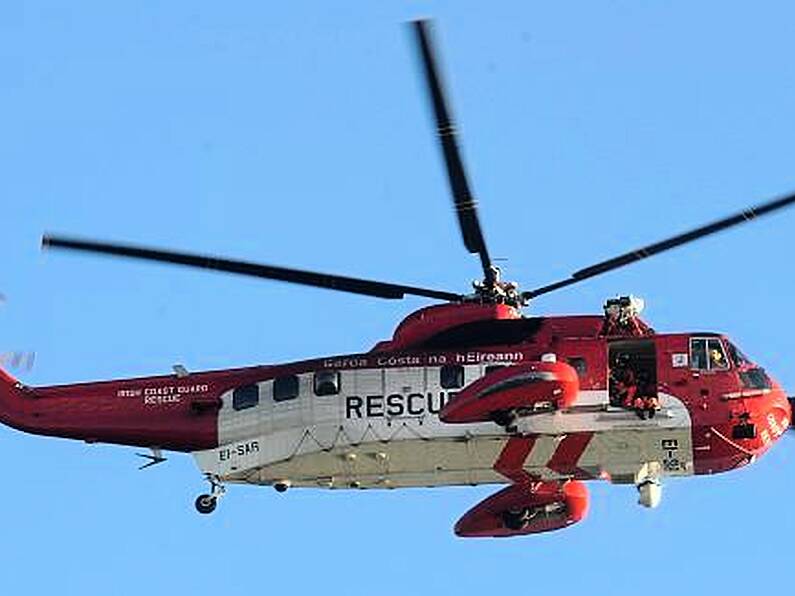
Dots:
(739, 359)
(751, 375)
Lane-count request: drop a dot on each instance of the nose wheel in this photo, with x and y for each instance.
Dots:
(206, 503)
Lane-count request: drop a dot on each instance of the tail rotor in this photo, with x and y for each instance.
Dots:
(18, 361)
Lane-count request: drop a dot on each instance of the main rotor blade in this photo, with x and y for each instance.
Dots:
(297, 276)
(652, 249)
(465, 204)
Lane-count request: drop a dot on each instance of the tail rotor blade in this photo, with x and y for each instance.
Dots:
(22, 361)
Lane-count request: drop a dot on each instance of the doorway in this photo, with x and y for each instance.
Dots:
(633, 367)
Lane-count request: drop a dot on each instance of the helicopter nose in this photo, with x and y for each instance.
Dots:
(778, 418)
(764, 422)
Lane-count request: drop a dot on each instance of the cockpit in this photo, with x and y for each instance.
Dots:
(757, 408)
(708, 354)
(717, 354)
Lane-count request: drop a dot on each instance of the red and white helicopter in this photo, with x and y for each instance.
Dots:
(466, 392)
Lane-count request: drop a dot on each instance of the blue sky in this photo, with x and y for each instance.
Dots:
(299, 135)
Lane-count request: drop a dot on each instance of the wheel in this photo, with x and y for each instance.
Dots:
(206, 504)
(517, 519)
(504, 418)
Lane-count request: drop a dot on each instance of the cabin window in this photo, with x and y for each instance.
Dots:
(492, 367)
(245, 397)
(578, 364)
(327, 382)
(451, 376)
(708, 354)
(285, 388)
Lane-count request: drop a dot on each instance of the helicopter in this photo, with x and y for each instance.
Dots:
(467, 391)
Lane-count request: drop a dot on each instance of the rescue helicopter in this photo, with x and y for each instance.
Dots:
(467, 391)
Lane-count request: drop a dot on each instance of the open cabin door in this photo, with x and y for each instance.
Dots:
(632, 371)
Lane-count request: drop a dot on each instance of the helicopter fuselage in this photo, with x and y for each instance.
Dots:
(372, 420)
(376, 423)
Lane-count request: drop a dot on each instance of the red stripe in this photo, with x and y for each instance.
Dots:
(568, 454)
(511, 461)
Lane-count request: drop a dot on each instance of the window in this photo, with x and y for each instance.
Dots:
(451, 376)
(708, 354)
(244, 397)
(327, 382)
(717, 357)
(755, 378)
(698, 354)
(492, 367)
(285, 388)
(737, 357)
(578, 364)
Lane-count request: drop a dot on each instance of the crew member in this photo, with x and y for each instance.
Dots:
(624, 384)
(716, 359)
(651, 405)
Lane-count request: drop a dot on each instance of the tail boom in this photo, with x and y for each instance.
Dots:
(167, 412)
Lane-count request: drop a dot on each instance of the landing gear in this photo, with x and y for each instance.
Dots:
(506, 419)
(518, 519)
(206, 503)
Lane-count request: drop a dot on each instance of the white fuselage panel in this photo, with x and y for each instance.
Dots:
(382, 430)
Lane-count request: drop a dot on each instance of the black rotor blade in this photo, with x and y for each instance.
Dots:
(465, 204)
(792, 409)
(297, 276)
(652, 249)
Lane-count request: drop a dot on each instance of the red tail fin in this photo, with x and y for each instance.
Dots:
(6, 379)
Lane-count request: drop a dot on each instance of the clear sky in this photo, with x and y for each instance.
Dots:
(297, 133)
